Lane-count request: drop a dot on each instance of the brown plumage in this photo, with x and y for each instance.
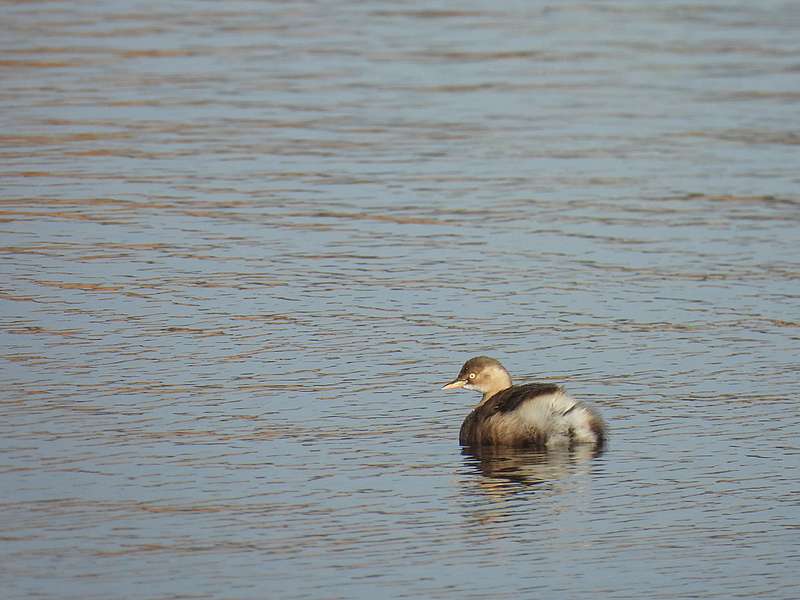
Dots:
(538, 415)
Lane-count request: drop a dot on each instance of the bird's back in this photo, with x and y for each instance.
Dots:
(535, 415)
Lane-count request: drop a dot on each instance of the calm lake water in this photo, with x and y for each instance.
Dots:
(243, 244)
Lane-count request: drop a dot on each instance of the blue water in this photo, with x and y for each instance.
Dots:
(242, 246)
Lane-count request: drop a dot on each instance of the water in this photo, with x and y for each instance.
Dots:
(244, 244)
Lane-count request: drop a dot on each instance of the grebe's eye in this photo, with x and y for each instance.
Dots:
(472, 375)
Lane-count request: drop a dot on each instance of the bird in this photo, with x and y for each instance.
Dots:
(535, 415)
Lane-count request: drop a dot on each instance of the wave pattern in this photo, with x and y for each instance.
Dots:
(242, 245)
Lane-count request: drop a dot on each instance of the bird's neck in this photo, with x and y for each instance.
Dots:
(498, 384)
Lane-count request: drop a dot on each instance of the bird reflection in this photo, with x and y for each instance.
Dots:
(503, 474)
(525, 466)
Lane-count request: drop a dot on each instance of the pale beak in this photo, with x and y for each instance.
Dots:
(455, 384)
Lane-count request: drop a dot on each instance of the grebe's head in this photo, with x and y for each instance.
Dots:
(482, 374)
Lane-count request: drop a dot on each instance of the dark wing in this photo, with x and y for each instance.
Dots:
(502, 402)
(469, 432)
(510, 399)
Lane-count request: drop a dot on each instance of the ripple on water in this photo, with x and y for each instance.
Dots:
(242, 248)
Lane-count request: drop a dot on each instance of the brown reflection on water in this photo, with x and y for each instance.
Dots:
(525, 465)
(510, 475)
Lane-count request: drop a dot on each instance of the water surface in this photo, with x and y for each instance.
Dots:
(243, 244)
